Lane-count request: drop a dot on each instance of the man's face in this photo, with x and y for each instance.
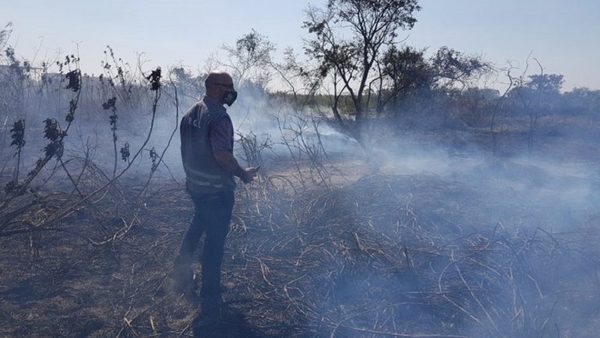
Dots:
(226, 90)
(224, 85)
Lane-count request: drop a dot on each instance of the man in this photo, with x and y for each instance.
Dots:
(207, 152)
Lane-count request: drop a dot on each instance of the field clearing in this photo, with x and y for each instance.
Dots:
(376, 254)
(427, 184)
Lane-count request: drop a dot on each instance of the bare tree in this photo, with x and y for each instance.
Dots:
(534, 95)
(249, 58)
(5, 34)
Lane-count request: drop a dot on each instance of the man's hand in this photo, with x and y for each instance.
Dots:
(249, 174)
(226, 160)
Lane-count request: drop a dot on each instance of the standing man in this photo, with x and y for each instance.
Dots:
(207, 152)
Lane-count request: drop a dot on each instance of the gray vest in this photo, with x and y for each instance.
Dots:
(203, 173)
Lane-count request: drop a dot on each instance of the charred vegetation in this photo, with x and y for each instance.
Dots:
(395, 197)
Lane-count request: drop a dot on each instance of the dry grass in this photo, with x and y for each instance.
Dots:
(403, 256)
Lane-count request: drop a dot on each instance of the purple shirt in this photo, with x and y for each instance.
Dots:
(221, 133)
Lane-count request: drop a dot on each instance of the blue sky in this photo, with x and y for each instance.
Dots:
(563, 35)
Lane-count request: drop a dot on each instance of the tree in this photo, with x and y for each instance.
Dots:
(581, 101)
(349, 38)
(549, 84)
(362, 65)
(408, 71)
(451, 67)
(189, 86)
(5, 34)
(535, 95)
(250, 58)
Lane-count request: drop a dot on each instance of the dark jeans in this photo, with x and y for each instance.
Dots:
(212, 216)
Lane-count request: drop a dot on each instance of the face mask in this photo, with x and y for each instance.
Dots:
(230, 97)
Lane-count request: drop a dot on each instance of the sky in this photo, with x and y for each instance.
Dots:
(563, 35)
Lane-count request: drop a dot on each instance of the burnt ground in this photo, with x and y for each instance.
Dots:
(374, 254)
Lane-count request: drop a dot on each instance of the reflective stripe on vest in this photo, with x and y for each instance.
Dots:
(193, 172)
(202, 179)
(204, 183)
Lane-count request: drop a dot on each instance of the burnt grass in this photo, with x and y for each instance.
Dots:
(382, 256)
(374, 255)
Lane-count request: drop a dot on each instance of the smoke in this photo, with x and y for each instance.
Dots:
(492, 239)
(543, 203)
(442, 234)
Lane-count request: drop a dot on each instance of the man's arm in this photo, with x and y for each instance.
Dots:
(227, 161)
(221, 138)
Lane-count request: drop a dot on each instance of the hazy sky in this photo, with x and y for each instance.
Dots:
(563, 35)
